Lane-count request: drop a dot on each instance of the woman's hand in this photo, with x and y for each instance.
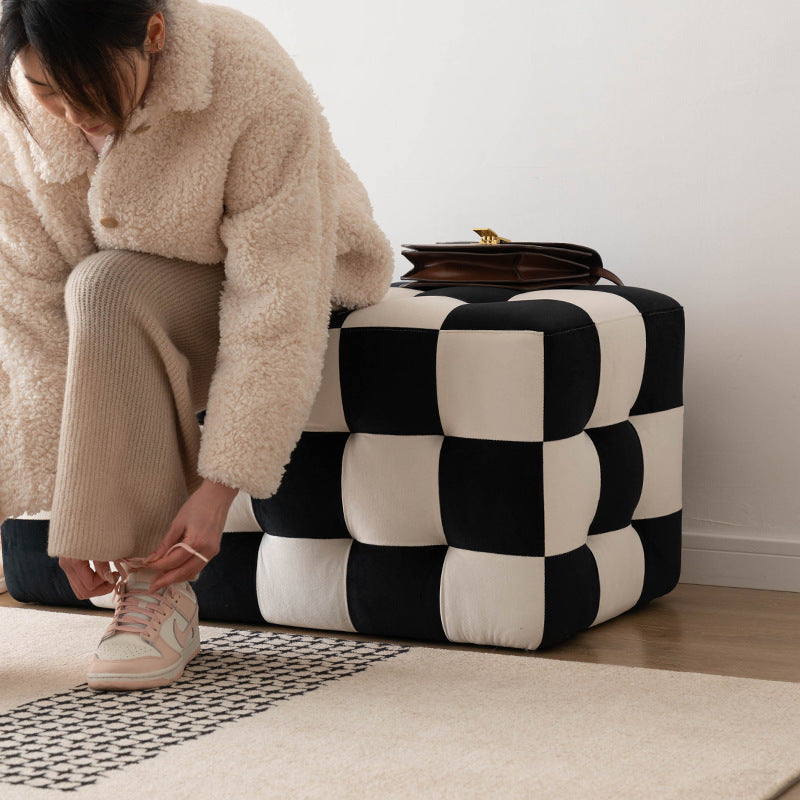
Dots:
(85, 581)
(199, 523)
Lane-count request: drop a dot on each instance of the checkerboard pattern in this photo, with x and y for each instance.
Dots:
(484, 465)
(481, 465)
(75, 738)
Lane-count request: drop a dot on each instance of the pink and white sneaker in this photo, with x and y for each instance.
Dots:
(153, 636)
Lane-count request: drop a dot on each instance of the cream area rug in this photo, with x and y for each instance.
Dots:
(267, 714)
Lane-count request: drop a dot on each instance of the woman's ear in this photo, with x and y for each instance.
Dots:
(156, 30)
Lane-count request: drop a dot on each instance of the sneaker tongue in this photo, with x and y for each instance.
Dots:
(141, 579)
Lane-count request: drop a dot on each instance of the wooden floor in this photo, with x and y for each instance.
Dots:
(748, 633)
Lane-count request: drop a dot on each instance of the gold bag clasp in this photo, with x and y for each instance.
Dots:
(488, 236)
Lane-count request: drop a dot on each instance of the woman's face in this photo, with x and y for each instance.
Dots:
(131, 89)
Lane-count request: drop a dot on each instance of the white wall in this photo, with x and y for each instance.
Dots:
(663, 134)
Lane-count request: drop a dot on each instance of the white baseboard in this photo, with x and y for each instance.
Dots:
(717, 554)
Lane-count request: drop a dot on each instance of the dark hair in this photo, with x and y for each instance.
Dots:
(78, 43)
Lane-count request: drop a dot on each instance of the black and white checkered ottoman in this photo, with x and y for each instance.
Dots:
(481, 465)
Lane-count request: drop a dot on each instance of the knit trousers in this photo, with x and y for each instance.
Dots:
(143, 339)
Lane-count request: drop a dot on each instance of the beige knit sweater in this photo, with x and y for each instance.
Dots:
(231, 158)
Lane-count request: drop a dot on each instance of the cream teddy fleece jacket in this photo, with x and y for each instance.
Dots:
(230, 159)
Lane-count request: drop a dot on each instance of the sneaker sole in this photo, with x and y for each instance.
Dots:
(150, 680)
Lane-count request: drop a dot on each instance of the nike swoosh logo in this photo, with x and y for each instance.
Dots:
(181, 636)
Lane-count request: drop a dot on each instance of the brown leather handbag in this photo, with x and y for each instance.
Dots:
(495, 261)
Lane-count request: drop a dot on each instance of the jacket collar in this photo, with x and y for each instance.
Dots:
(182, 80)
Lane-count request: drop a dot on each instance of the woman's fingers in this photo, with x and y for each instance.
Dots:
(85, 582)
(105, 578)
(184, 570)
(173, 536)
(171, 560)
(179, 565)
(100, 590)
(78, 573)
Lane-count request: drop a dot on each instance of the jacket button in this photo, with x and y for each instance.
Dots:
(109, 222)
(142, 129)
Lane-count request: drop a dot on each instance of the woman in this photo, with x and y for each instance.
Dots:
(175, 225)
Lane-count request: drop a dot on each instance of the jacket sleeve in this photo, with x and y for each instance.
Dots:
(33, 345)
(33, 271)
(279, 228)
(28, 253)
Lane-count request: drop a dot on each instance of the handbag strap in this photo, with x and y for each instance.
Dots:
(607, 273)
